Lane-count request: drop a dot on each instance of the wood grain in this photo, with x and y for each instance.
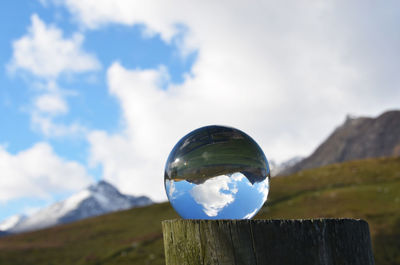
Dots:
(272, 242)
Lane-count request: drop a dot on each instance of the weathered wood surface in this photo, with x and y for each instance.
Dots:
(272, 242)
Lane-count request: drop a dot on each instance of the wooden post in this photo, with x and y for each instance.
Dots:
(272, 242)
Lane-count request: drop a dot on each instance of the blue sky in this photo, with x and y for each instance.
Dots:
(221, 197)
(89, 103)
(103, 89)
(121, 43)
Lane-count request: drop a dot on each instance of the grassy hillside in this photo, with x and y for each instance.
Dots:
(368, 189)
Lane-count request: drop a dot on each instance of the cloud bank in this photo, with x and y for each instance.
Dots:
(44, 52)
(285, 72)
(38, 172)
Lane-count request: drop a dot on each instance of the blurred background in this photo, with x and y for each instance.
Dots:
(95, 94)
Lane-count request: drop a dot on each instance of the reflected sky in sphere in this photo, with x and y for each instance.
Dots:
(217, 172)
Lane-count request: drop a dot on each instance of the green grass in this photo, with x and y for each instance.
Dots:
(237, 151)
(217, 159)
(368, 189)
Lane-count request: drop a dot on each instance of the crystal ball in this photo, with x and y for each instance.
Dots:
(217, 172)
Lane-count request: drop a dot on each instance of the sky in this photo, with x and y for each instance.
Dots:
(97, 89)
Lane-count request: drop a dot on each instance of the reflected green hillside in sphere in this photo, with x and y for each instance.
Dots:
(217, 172)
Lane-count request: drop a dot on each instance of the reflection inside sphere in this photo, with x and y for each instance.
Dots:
(217, 172)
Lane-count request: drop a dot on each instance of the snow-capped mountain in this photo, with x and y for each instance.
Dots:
(277, 168)
(95, 200)
(11, 222)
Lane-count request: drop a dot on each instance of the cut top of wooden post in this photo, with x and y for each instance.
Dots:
(272, 242)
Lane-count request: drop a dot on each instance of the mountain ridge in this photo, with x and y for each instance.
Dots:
(95, 200)
(356, 138)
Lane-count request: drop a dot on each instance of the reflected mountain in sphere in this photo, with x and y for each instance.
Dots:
(217, 172)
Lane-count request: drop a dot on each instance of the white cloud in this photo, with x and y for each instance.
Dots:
(47, 107)
(263, 188)
(38, 172)
(44, 52)
(157, 18)
(285, 72)
(48, 127)
(135, 158)
(170, 187)
(51, 103)
(250, 215)
(214, 194)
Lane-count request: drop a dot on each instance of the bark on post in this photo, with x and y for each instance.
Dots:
(272, 242)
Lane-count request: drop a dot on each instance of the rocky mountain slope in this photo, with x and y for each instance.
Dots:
(357, 138)
(95, 200)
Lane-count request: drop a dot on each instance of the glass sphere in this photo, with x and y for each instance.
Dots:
(217, 172)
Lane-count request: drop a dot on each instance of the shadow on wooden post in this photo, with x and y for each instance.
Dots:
(272, 242)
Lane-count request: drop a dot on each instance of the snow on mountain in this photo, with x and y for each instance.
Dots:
(95, 200)
(11, 222)
(277, 168)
